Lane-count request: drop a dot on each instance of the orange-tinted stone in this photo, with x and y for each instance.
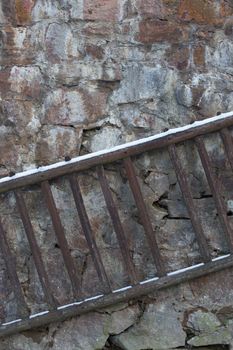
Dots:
(158, 31)
(226, 8)
(75, 106)
(4, 81)
(56, 142)
(99, 28)
(199, 56)
(162, 9)
(106, 10)
(26, 82)
(15, 46)
(199, 11)
(169, 8)
(204, 33)
(23, 10)
(151, 8)
(197, 92)
(178, 57)
(96, 52)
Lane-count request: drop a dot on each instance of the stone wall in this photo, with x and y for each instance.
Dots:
(79, 76)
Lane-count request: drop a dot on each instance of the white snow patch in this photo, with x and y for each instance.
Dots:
(221, 257)
(11, 322)
(150, 280)
(177, 272)
(69, 305)
(80, 302)
(121, 289)
(93, 298)
(39, 314)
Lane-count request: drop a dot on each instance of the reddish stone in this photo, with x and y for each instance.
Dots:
(106, 10)
(96, 52)
(151, 8)
(197, 92)
(171, 6)
(10, 149)
(21, 115)
(55, 143)
(4, 82)
(95, 103)
(158, 31)
(199, 56)
(103, 29)
(178, 57)
(199, 11)
(111, 73)
(15, 46)
(162, 9)
(226, 8)
(204, 33)
(23, 10)
(26, 82)
(74, 107)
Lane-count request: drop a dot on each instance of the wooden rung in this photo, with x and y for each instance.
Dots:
(117, 225)
(12, 273)
(139, 291)
(214, 187)
(87, 230)
(62, 241)
(228, 145)
(130, 149)
(187, 195)
(44, 280)
(143, 214)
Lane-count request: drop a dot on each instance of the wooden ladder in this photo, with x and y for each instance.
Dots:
(97, 161)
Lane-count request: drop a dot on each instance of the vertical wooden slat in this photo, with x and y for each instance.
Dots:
(143, 214)
(214, 187)
(117, 225)
(44, 280)
(187, 195)
(62, 241)
(12, 273)
(228, 144)
(87, 230)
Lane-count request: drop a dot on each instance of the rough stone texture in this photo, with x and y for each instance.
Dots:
(80, 76)
(207, 329)
(201, 12)
(158, 329)
(104, 10)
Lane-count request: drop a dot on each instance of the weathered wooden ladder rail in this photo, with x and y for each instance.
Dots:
(136, 288)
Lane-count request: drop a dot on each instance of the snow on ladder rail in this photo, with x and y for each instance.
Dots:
(151, 284)
(135, 288)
